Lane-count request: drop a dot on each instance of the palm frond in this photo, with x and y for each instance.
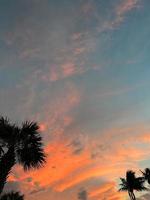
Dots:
(130, 175)
(123, 189)
(6, 163)
(146, 174)
(132, 183)
(139, 184)
(123, 180)
(123, 185)
(12, 196)
(7, 130)
(30, 149)
(30, 128)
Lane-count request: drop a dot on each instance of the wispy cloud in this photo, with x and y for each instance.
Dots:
(107, 190)
(59, 80)
(122, 9)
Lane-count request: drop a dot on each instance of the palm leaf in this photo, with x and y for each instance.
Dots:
(7, 131)
(30, 151)
(12, 196)
(6, 163)
(123, 185)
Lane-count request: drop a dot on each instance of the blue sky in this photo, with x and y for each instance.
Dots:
(81, 69)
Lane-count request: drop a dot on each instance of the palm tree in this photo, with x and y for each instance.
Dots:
(21, 145)
(146, 175)
(132, 183)
(12, 196)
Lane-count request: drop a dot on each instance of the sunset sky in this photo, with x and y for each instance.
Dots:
(81, 68)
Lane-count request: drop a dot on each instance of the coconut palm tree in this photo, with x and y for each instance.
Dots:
(21, 145)
(146, 174)
(12, 196)
(132, 183)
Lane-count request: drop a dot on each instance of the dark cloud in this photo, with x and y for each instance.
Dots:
(82, 195)
(37, 190)
(77, 145)
(78, 151)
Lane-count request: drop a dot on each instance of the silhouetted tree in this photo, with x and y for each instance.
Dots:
(12, 196)
(21, 145)
(132, 183)
(146, 175)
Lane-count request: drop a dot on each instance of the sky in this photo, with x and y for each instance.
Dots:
(81, 69)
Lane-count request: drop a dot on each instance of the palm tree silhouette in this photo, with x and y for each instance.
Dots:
(12, 196)
(21, 145)
(146, 174)
(132, 183)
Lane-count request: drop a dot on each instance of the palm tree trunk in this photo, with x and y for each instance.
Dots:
(130, 195)
(7, 161)
(133, 196)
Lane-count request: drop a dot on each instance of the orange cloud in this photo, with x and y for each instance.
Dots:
(110, 162)
(64, 169)
(60, 163)
(107, 190)
(103, 188)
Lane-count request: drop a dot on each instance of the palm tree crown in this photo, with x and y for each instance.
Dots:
(21, 145)
(146, 175)
(29, 151)
(132, 183)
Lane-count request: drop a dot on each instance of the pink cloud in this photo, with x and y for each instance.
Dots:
(65, 69)
(68, 69)
(57, 116)
(121, 10)
(126, 6)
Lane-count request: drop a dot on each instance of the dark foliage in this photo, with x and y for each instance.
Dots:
(132, 183)
(21, 145)
(146, 175)
(12, 196)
